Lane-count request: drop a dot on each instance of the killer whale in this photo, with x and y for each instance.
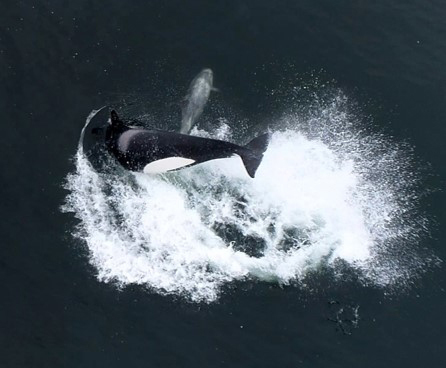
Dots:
(157, 151)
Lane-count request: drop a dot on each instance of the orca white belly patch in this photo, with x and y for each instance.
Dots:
(167, 164)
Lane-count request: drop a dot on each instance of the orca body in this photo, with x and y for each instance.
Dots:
(195, 100)
(156, 151)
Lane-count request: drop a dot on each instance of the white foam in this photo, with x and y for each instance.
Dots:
(318, 197)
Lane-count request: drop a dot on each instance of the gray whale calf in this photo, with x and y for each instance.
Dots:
(196, 98)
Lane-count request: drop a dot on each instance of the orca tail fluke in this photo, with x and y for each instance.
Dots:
(254, 154)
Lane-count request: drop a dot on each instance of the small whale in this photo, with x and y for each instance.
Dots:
(196, 98)
(157, 151)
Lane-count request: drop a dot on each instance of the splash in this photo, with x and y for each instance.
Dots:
(328, 193)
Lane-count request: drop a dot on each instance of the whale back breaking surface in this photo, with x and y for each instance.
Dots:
(196, 99)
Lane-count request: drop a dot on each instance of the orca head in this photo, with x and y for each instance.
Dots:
(97, 131)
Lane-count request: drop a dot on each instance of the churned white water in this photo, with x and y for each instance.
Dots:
(327, 194)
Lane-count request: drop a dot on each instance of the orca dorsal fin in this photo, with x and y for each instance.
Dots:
(114, 118)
